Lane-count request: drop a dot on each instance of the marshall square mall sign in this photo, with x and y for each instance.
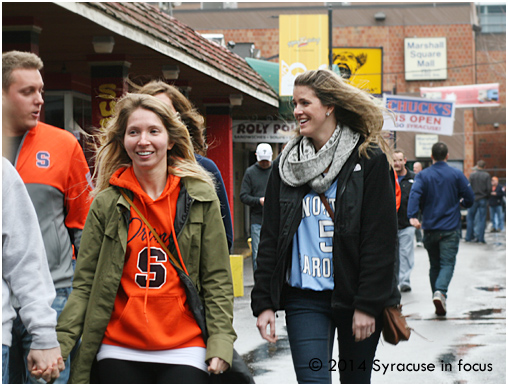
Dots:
(425, 58)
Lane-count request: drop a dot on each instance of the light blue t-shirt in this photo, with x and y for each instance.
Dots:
(312, 260)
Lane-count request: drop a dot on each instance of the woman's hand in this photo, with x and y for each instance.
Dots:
(46, 364)
(265, 319)
(217, 365)
(364, 325)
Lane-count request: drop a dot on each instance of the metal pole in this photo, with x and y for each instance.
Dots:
(330, 38)
(394, 91)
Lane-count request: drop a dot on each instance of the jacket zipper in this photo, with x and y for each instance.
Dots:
(186, 214)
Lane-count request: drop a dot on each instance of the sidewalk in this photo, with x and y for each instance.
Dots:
(473, 333)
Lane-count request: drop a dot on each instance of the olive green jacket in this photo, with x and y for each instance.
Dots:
(203, 245)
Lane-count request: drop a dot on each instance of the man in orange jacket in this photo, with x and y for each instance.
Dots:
(54, 169)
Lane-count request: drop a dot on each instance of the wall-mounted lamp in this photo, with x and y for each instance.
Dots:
(496, 125)
(171, 71)
(380, 16)
(235, 99)
(103, 44)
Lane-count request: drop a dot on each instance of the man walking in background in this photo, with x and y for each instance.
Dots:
(55, 172)
(417, 167)
(406, 232)
(477, 215)
(252, 193)
(440, 190)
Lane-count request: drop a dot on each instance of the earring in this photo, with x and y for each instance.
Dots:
(327, 113)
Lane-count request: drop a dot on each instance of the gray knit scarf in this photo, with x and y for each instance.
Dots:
(300, 164)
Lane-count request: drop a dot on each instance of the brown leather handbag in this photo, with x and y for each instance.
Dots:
(395, 326)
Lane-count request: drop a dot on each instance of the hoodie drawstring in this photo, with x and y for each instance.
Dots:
(149, 256)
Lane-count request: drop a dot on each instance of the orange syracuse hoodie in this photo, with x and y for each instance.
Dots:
(150, 310)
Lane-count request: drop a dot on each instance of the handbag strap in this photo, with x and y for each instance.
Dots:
(327, 206)
(173, 259)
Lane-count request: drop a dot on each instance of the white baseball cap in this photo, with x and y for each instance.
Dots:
(264, 152)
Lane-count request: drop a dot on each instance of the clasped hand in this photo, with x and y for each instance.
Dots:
(45, 364)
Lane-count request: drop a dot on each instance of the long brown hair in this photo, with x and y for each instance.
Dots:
(111, 154)
(353, 107)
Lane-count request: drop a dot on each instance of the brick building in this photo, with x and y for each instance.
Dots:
(476, 54)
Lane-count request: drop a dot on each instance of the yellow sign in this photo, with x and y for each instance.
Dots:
(362, 66)
(303, 45)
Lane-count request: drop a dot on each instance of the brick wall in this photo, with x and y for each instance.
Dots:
(489, 141)
(460, 44)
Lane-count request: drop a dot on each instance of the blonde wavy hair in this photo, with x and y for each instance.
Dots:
(188, 114)
(353, 107)
(111, 154)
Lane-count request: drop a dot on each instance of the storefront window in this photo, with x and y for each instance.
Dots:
(68, 110)
(54, 110)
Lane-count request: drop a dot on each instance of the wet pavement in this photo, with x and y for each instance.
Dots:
(466, 346)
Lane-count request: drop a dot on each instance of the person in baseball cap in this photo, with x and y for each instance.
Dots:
(252, 193)
(264, 152)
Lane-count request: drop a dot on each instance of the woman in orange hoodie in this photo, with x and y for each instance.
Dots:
(129, 300)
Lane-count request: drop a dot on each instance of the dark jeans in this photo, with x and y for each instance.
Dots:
(418, 232)
(476, 220)
(255, 233)
(442, 247)
(5, 364)
(22, 340)
(120, 371)
(311, 325)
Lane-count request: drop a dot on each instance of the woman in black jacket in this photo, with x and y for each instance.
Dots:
(329, 274)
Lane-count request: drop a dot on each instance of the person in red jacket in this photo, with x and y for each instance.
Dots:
(53, 167)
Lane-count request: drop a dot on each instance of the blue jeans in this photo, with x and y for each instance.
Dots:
(22, 340)
(406, 254)
(5, 364)
(255, 232)
(311, 325)
(497, 217)
(442, 247)
(476, 217)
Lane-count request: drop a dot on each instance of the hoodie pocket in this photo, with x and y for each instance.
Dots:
(166, 324)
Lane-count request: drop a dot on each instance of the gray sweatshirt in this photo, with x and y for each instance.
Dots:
(253, 188)
(25, 271)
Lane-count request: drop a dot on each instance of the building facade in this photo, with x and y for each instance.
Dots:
(475, 36)
(476, 54)
(93, 53)
(230, 78)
